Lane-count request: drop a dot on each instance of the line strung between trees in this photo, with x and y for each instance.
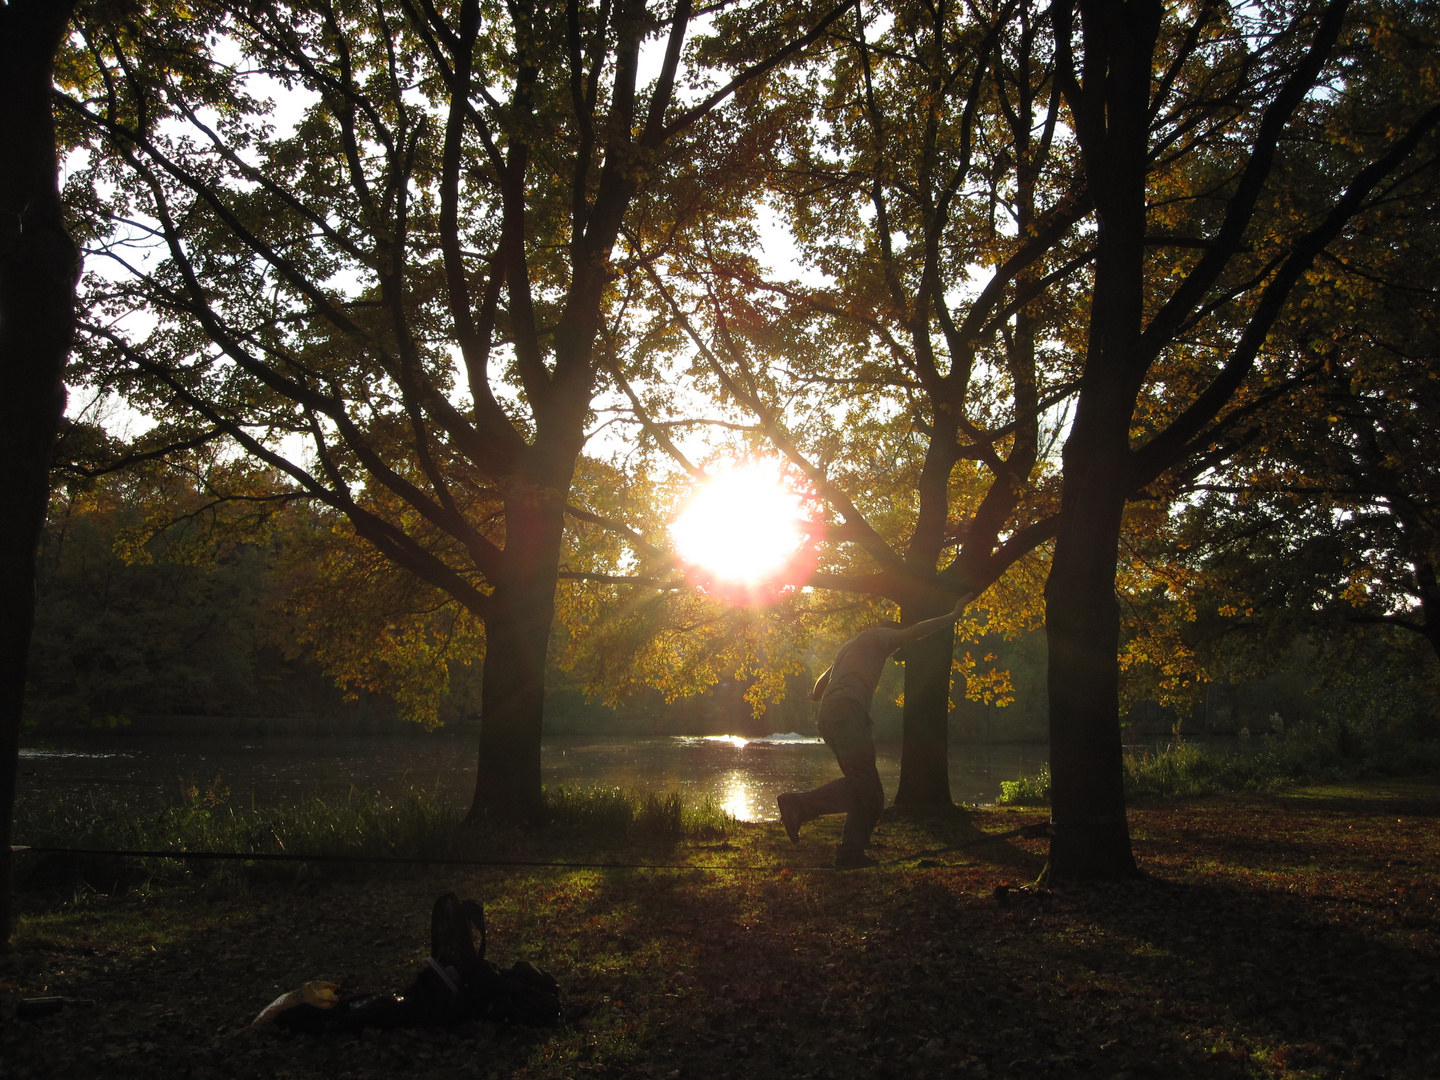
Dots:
(1035, 830)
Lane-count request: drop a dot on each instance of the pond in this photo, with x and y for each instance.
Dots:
(742, 774)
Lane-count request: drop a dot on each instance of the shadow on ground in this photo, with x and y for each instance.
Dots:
(1285, 938)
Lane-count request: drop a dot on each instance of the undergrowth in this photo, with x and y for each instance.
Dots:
(1305, 755)
(648, 815)
(417, 823)
(1032, 790)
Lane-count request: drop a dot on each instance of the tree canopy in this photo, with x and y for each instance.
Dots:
(490, 283)
(417, 270)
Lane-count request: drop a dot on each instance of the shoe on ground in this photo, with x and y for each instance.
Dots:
(853, 860)
(789, 815)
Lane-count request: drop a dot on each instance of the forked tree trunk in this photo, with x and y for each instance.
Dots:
(1082, 620)
(38, 271)
(925, 741)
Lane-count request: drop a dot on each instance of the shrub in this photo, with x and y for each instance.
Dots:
(1304, 754)
(1027, 791)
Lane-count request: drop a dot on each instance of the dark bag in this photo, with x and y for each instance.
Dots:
(521, 994)
(456, 984)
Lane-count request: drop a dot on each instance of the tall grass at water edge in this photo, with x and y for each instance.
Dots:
(1321, 754)
(418, 823)
(415, 823)
(644, 815)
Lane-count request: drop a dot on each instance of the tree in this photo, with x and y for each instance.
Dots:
(415, 273)
(913, 391)
(1192, 132)
(163, 588)
(1325, 517)
(38, 269)
(1321, 526)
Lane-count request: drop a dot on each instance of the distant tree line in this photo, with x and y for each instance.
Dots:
(155, 601)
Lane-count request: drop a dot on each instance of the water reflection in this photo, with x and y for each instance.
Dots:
(742, 774)
(737, 797)
(732, 740)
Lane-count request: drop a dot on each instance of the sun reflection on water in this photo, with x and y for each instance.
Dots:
(736, 794)
(737, 741)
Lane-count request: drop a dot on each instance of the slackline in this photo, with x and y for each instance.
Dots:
(1030, 831)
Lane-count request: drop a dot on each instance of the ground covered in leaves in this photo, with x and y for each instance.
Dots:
(1276, 936)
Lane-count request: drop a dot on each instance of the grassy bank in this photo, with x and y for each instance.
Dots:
(1282, 936)
(1304, 756)
(417, 823)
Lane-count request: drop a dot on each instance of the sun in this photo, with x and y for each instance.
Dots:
(742, 526)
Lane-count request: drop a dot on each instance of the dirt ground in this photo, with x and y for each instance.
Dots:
(1284, 936)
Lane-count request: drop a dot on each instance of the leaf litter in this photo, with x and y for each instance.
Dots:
(1279, 936)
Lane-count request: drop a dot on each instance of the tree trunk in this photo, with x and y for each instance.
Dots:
(1429, 590)
(38, 271)
(517, 639)
(1413, 535)
(507, 780)
(925, 742)
(1082, 628)
(1082, 619)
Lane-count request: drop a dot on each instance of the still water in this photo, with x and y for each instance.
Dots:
(742, 775)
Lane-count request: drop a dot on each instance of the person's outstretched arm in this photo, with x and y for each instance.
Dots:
(928, 626)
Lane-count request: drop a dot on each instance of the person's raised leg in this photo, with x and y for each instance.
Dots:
(799, 807)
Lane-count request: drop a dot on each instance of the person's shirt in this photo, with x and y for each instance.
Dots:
(859, 664)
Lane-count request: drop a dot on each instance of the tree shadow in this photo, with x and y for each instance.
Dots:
(924, 972)
(1278, 971)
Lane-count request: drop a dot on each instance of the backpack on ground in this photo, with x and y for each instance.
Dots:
(457, 983)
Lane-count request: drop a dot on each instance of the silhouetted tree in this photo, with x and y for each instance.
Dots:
(39, 266)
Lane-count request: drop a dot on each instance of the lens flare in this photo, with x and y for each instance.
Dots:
(745, 526)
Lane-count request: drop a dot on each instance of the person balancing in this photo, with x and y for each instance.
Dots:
(845, 691)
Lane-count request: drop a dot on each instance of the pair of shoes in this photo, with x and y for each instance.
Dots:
(789, 815)
(853, 860)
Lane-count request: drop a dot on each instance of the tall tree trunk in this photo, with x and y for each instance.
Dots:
(517, 639)
(38, 271)
(1082, 629)
(1082, 619)
(925, 741)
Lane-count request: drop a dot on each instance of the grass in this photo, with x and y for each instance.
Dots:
(417, 823)
(1289, 936)
(616, 812)
(1304, 756)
